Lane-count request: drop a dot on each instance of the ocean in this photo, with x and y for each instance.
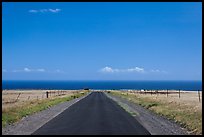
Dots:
(103, 85)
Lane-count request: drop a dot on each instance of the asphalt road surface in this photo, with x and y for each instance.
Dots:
(94, 115)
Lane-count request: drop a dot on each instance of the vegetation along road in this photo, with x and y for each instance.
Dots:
(97, 115)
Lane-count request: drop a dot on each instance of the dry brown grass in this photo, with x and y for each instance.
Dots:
(9, 97)
(186, 110)
(13, 110)
(187, 98)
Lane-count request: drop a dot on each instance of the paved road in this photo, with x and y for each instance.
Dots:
(94, 115)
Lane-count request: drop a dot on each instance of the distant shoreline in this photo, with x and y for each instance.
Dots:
(134, 90)
(103, 85)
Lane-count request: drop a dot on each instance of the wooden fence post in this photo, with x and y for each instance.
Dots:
(47, 94)
(28, 97)
(199, 95)
(179, 93)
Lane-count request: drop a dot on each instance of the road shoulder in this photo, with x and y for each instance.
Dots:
(155, 124)
(29, 124)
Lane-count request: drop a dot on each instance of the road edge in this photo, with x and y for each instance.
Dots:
(155, 124)
(31, 123)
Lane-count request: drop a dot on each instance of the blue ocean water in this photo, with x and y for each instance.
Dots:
(148, 85)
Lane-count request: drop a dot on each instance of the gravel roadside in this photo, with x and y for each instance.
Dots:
(156, 125)
(31, 123)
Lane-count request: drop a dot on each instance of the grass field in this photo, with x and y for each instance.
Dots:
(186, 110)
(16, 110)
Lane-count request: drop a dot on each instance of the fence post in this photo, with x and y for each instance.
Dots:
(28, 97)
(199, 95)
(47, 94)
(179, 93)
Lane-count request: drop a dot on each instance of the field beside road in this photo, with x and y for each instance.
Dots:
(17, 104)
(185, 109)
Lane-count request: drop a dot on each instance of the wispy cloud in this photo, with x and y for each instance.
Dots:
(54, 10)
(4, 70)
(38, 70)
(130, 70)
(44, 10)
(136, 69)
(157, 71)
(29, 70)
(111, 70)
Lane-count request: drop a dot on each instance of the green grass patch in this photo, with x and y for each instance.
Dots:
(185, 116)
(14, 114)
(126, 108)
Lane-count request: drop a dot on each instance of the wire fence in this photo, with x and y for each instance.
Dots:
(17, 96)
(22, 96)
(168, 93)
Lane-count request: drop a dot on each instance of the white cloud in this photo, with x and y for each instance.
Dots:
(27, 69)
(45, 10)
(158, 71)
(137, 69)
(30, 70)
(110, 70)
(40, 70)
(130, 70)
(107, 69)
(4, 70)
(54, 10)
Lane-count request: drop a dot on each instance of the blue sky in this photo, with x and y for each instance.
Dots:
(102, 41)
